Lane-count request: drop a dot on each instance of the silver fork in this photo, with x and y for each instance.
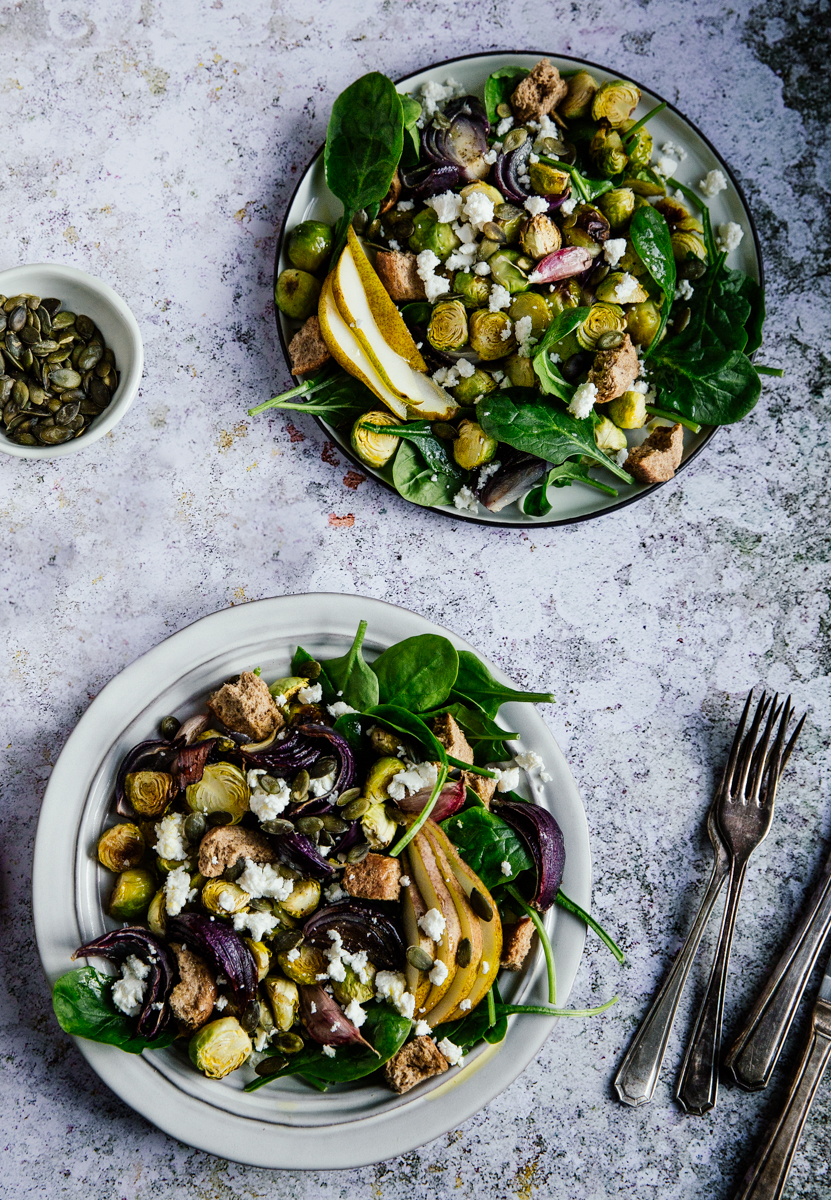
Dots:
(744, 815)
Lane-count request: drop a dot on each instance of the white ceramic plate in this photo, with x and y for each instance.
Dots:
(313, 200)
(281, 1125)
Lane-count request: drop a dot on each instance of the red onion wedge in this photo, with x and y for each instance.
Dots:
(450, 800)
(119, 945)
(562, 264)
(324, 1019)
(544, 840)
(224, 950)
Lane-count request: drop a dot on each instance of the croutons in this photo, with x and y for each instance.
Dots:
(516, 942)
(307, 349)
(418, 1060)
(225, 845)
(447, 731)
(194, 996)
(538, 93)
(481, 785)
(657, 459)
(247, 706)
(375, 877)
(397, 271)
(614, 371)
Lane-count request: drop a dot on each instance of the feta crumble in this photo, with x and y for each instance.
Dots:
(522, 329)
(256, 924)
(393, 244)
(465, 368)
(177, 891)
(334, 892)
(508, 779)
(465, 500)
(170, 838)
(221, 1003)
(447, 207)
(434, 95)
(438, 973)
(582, 402)
(128, 991)
(267, 805)
(536, 205)
(478, 209)
(310, 695)
(504, 126)
(323, 785)
(490, 157)
(421, 1028)
(405, 205)
(568, 206)
(729, 236)
(487, 471)
(627, 289)
(262, 880)
(505, 867)
(354, 1013)
(433, 924)
(620, 459)
(293, 954)
(712, 183)
(684, 291)
(485, 966)
(340, 709)
(464, 1005)
(453, 1053)
(673, 151)
(499, 298)
(482, 268)
(404, 881)
(414, 779)
(329, 1051)
(666, 166)
(392, 987)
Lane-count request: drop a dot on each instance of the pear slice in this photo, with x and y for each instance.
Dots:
(465, 977)
(348, 352)
(387, 316)
(434, 892)
(413, 907)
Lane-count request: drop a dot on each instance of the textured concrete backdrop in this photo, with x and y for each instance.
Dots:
(154, 143)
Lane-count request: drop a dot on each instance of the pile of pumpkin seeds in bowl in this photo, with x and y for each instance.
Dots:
(58, 373)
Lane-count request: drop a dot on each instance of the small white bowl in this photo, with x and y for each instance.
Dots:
(83, 293)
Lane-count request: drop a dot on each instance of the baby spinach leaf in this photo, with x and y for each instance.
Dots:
(499, 87)
(711, 387)
(403, 721)
(299, 660)
(475, 682)
(417, 481)
(650, 236)
(349, 727)
(485, 842)
(82, 1000)
(432, 450)
(339, 398)
(350, 679)
(466, 1031)
(411, 110)
(538, 502)
(417, 673)
(562, 325)
(551, 380)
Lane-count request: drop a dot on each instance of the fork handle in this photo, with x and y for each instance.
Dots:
(638, 1074)
(756, 1050)
(698, 1085)
(766, 1177)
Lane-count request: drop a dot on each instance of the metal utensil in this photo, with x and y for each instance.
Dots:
(766, 1177)
(745, 812)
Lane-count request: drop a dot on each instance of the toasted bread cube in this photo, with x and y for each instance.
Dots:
(447, 731)
(376, 877)
(657, 459)
(398, 272)
(481, 785)
(247, 706)
(418, 1060)
(614, 371)
(307, 349)
(516, 942)
(538, 93)
(193, 998)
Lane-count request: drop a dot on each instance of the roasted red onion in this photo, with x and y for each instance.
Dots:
(325, 1021)
(455, 142)
(346, 772)
(450, 800)
(509, 174)
(544, 839)
(191, 728)
(286, 756)
(119, 945)
(296, 851)
(517, 473)
(562, 264)
(362, 925)
(224, 949)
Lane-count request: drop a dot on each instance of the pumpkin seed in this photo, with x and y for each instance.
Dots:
(495, 232)
(334, 824)
(90, 357)
(357, 853)
(286, 939)
(195, 824)
(480, 905)
(20, 392)
(269, 784)
(4, 321)
(45, 320)
(51, 305)
(250, 1018)
(67, 413)
(24, 439)
(63, 320)
(464, 952)
(503, 110)
(309, 825)
(287, 1043)
(278, 826)
(17, 319)
(220, 818)
(421, 960)
(311, 669)
(54, 435)
(64, 379)
(300, 786)
(348, 796)
(325, 840)
(323, 766)
(270, 1066)
(514, 140)
(610, 340)
(85, 327)
(356, 809)
(233, 872)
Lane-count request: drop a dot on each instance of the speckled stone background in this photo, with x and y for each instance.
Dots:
(155, 144)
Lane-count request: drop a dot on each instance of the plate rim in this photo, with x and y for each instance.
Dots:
(474, 518)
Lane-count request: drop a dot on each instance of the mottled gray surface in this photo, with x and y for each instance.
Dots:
(155, 144)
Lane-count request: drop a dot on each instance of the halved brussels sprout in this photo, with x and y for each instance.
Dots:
(429, 233)
(378, 779)
(290, 685)
(132, 894)
(309, 245)
(284, 999)
(222, 788)
(384, 742)
(578, 99)
(157, 914)
(377, 827)
(687, 245)
(586, 227)
(608, 437)
(547, 180)
(608, 153)
(535, 306)
(646, 182)
(473, 289)
(374, 449)
(606, 290)
(602, 318)
(632, 262)
(351, 987)
(540, 236)
(509, 218)
(304, 898)
(470, 389)
(629, 410)
(219, 1047)
(689, 225)
(304, 966)
(617, 207)
(149, 792)
(121, 847)
(262, 956)
(567, 294)
(473, 447)
(504, 270)
(643, 322)
(448, 325)
(224, 898)
(615, 101)
(491, 334)
(639, 148)
(519, 370)
(485, 189)
(297, 293)
(672, 210)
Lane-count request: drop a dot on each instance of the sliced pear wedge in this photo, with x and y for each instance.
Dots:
(383, 308)
(413, 907)
(434, 892)
(465, 977)
(349, 353)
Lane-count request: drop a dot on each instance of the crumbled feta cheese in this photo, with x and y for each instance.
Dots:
(522, 329)
(446, 376)
(435, 286)
(392, 987)
(673, 151)
(310, 695)
(414, 779)
(329, 1051)
(482, 268)
(354, 1013)
(499, 298)
(447, 207)
(334, 892)
(293, 954)
(457, 261)
(478, 209)
(614, 250)
(340, 709)
(582, 402)
(467, 234)
(226, 900)
(729, 236)
(529, 760)
(128, 991)
(568, 206)
(505, 867)
(489, 469)
(264, 880)
(393, 244)
(504, 126)
(712, 183)
(620, 459)
(465, 368)
(434, 95)
(177, 891)
(426, 263)
(464, 1005)
(221, 1003)
(666, 166)
(170, 838)
(438, 973)
(451, 1051)
(404, 881)
(433, 924)
(465, 500)
(323, 785)
(508, 779)
(268, 805)
(281, 701)
(490, 157)
(684, 291)
(405, 205)
(536, 205)
(260, 1038)
(506, 332)
(627, 289)
(485, 966)
(533, 158)
(257, 924)
(421, 1028)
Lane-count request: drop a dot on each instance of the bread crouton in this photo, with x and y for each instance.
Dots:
(481, 785)
(247, 706)
(375, 877)
(538, 93)
(657, 459)
(447, 731)
(614, 371)
(420, 1059)
(516, 942)
(225, 845)
(194, 996)
(308, 351)
(397, 271)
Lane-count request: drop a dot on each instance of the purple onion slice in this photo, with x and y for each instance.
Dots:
(325, 1020)
(119, 945)
(222, 947)
(284, 757)
(449, 801)
(362, 925)
(546, 845)
(296, 851)
(562, 264)
(347, 771)
(517, 473)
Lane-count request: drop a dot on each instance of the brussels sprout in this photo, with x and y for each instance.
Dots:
(586, 227)
(617, 207)
(535, 306)
(632, 262)
(448, 325)
(351, 987)
(519, 370)
(608, 153)
(505, 271)
(374, 449)
(491, 334)
(548, 181)
(121, 847)
(223, 744)
(484, 189)
(262, 956)
(132, 894)
(638, 147)
(157, 914)
(219, 1047)
(646, 183)
(602, 318)
(614, 102)
(689, 225)
(305, 966)
(509, 218)
(643, 322)
(290, 685)
(379, 776)
(378, 829)
(629, 410)
(567, 294)
(470, 389)
(687, 245)
(473, 289)
(429, 233)
(672, 210)
(578, 99)
(284, 999)
(473, 447)
(297, 293)
(606, 290)
(222, 788)
(608, 437)
(303, 900)
(149, 792)
(385, 743)
(309, 245)
(540, 236)
(165, 865)
(224, 898)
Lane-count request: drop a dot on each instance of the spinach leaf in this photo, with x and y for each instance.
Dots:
(466, 1031)
(485, 841)
(350, 679)
(475, 682)
(363, 147)
(474, 723)
(349, 727)
(562, 325)
(538, 503)
(551, 380)
(499, 87)
(411, 110)
(339, 398)
(496, 1033)
(649, 234)
(83, 1005)
(432, 450)
(417, 481)
(403, 721)
(417, 673)
(299, 660)
(709, 386)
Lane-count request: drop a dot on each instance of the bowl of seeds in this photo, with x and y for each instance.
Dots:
(72, 359)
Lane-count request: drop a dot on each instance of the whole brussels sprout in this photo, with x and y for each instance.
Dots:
(262, 956)
(473, 447)
(643, 322)
(224, 898)
(284, 999)
(578, 99)
(687, 245)
(519, 370)
(607, 290)
(473, 289)
(602, 318)
(491, 334)
(132, 894)
(377, 827)
(547, 180)
(309, 245)
(297, 294)
(540, 236)
(535, 306)
(304, 967)
(586, 227)
(638, 147)
(149, 792)
(157, 914)
(617, 207)
(608, 153)
(509, 218)
(121, 847)
(380, 774)
(567, 294)
(614, 102)
(351, 987)
(608, 437)
(429, 233)
(629, 410)
(219, 1047)
(304, 898)
(374, 449)
(504, 270)
(222, 788)
(470, 389)
(448, 325)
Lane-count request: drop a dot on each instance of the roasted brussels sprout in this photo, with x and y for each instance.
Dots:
(629, 410)
(222, 788)
(547, 180)
(473, 289)
(377, 827)
(470, 389)
(617, 207)
(602, 318)
(614, 102)
(578, 99)
(473, 447)
(643, 322)
(448, 325)
(304, 966)
(429, 233)
(491, 334)
(121, 847)
(540, 236)
(485, 189)
(149, 792)
(224, 898)
(309, 245)
(374, 449)
(645, 183)
(687, 245)
(132, 894)
(689, 225)
(535, 306)
(504, 270)
(638, 146)
(586, 227)
(607, 290)
(672, 210)
(379, 776)
(219, 1047)
(351, 987)
(519, 370)
(303, 900)
(632, 262)
(608, 153)
(297, 294)
(290, 685)
(567, 294)
(284, 999)
(157, 914)
(262, 956)
(608, 437)
(385, 743)
(509, 218)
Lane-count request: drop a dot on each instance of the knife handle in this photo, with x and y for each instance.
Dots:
(767, 1175)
